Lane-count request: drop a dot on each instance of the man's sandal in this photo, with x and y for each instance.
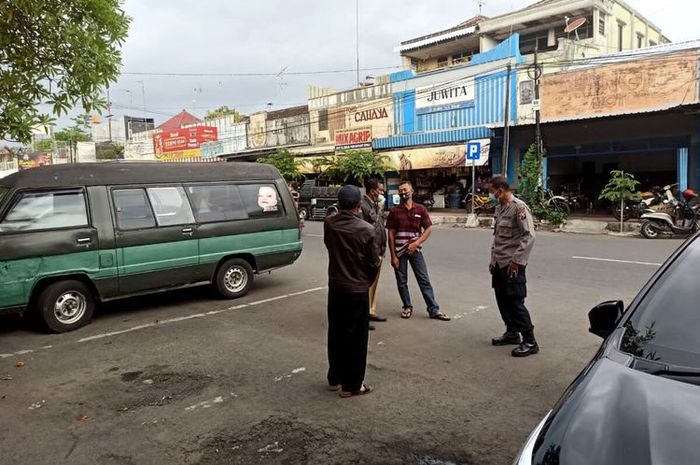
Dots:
(365, 389)
(440, 316)
(406, 313)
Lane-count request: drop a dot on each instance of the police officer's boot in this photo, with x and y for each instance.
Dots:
(508, 338)
(528, 347)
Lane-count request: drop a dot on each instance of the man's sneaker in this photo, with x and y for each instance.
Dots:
(508, 338)
(525, 349)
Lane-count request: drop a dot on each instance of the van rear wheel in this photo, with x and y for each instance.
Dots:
(234, 278)
(65, 305)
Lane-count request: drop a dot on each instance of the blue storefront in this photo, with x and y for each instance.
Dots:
(450, 107)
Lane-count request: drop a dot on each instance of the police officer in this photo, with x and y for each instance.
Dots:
(514, 238)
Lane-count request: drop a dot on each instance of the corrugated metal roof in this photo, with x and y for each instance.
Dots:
(640, 53)
(436, 38)
(431, 138)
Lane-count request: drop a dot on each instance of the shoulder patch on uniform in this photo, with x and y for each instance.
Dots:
(522, 212)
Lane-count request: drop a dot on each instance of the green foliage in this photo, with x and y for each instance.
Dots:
(530, 187)
(224, 110)
(44, 145)
(360, 164)
(284, 161)
(59, 53)
(531, 172)
(75, 133)
(109, 151)
(622, 186)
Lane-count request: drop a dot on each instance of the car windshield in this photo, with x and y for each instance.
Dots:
(665, 327)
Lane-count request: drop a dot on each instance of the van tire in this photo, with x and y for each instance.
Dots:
(65, 306)
(234, 278)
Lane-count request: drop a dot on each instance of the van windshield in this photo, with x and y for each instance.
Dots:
(3, 190)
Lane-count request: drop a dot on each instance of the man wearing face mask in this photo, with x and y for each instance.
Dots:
(353, 261)
(373, 213)
(514, 238)
(409, 227)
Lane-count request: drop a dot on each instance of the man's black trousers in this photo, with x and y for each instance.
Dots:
(510, 296)
(348, 326)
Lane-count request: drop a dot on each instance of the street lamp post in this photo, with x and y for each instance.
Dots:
(143, 97)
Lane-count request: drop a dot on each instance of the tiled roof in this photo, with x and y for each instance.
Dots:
(181, 119)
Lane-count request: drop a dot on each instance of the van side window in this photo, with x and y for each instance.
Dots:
(170, 206)
(261, 200)
(216, 202)
(46, 210)
(133, 210)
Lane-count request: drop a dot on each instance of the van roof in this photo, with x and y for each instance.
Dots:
(119, 173)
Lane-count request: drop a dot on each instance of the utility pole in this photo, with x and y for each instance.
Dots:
(538, 133)
(109, 115)
(506, 125)
(357, 38)
(143, 98)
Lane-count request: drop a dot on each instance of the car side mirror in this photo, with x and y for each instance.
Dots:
(604, 317)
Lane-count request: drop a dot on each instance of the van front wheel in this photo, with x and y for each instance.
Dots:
(65, 305)
(234, 278)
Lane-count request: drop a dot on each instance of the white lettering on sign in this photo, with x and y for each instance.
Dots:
(440, 97)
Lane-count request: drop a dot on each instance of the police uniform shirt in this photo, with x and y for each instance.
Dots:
(514, 234)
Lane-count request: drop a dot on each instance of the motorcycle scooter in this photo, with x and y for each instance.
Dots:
(682, 221)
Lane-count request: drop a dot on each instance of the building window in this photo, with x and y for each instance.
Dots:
(601, 26)
(620, 35)
(442, 62)
(414, 64)
(529, 42)
(652, 43)
(464, 57)
(640, 41)
(323, 119)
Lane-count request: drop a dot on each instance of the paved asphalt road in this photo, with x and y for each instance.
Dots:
(159, 380)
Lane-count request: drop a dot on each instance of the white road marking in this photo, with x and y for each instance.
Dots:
(24, 352)
(189, 317)
(611, 260)
(206, 403)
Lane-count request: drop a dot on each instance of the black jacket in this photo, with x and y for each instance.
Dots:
(352, 253)
(372, 213)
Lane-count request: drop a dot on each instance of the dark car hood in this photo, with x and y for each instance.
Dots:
(621, 416)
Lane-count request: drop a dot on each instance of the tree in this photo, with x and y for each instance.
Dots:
(224, 110)
(109, 151)
(77, 132)
(44, 145)
(530, 187)
(621, 187)
(284, 161)
(56, 53)
(360, 164)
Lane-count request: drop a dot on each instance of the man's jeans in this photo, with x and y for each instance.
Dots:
(420, 269)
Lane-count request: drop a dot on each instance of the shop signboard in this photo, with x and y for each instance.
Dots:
(212, 149)
(34, 160)
(640, 85)
(183, 139)
(445, 96)
(180, 155)
(352, 139)
(449, 156)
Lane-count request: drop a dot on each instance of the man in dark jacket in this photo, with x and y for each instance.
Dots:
(352, 266)
(373, 213)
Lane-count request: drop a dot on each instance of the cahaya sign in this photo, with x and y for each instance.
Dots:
(371, 114)
(442, 97)
(349, 139)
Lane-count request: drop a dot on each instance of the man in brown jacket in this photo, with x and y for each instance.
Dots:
(353, 262)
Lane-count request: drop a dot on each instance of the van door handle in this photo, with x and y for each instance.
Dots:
(84, 240)
(187, 230)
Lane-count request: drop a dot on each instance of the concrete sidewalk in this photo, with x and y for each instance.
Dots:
(575, 225)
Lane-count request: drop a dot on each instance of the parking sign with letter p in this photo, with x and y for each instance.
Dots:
(473, 150)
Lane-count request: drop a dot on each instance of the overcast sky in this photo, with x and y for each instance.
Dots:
(265, 36)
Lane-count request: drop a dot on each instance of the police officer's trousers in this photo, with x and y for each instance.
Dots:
(510, 296)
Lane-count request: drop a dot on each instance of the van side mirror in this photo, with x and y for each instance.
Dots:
(604, 317)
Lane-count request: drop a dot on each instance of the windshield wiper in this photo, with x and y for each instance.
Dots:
(656, 368)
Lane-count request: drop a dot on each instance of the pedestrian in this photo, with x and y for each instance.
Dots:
(514, 238)
(373, 213)
(352, 267)
(409, 227)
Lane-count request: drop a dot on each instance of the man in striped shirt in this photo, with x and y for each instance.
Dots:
(409, 227)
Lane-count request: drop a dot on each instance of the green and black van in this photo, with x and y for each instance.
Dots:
(73, 235)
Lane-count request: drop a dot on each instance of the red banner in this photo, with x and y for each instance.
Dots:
(183, 139)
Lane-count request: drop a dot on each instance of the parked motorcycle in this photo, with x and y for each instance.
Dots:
(652, 200)
(682, 220)
(482, 203)
(426, 200)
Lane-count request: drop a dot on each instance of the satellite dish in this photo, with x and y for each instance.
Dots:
(575, 24)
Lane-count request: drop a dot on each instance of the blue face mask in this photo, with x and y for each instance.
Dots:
(492, 197)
